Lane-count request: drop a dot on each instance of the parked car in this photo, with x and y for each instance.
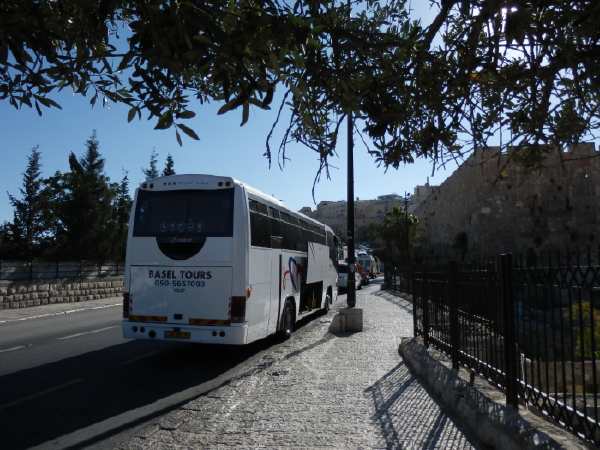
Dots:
(342, 283)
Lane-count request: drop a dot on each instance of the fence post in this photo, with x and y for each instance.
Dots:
(453, 303)
(510, 344)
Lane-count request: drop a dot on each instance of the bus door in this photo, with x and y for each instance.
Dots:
(276, 301)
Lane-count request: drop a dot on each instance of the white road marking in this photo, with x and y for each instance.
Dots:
(39, 394)
(138, 358)
(99, 330)
(60, 313)
(12, 349)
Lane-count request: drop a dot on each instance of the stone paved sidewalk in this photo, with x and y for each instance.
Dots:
(318, 390)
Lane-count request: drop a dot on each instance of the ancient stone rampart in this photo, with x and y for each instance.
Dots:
(510, 201)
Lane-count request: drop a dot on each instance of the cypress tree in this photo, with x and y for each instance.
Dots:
(27, 228)
(152, 171)
(87, 206)
(169, 166)
(121, 208)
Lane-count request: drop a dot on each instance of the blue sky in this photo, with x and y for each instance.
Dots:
(224, 148)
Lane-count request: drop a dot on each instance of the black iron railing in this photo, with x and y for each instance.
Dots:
(534, 331)
(44, 270)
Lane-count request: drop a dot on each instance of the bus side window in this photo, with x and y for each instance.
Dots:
(276, 225)
(260, 229)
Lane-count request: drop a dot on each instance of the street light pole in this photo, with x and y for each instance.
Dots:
(351, 290)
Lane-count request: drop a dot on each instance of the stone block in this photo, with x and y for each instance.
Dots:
(348, 320)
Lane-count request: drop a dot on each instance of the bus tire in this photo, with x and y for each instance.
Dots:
(287, 321)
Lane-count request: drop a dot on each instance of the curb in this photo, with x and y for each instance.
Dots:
(492, 423)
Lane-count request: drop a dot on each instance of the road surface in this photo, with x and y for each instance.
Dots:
(71, 372)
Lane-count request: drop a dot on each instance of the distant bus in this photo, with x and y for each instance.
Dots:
(368, 264)
(213, 260)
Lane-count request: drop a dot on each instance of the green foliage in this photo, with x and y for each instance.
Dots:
(85, 210)
(152, 171)
(78, 214)
(27, 230)
(418, 91)
(121, 208)
(169, 166)
(396, 236)
(586, 330)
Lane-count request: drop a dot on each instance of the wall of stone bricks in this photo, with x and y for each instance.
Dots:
(333, 213)
(22, 294)
(501, 205)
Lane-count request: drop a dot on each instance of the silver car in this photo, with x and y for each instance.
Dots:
(342, 282)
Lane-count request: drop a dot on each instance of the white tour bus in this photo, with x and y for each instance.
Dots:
(212, 260)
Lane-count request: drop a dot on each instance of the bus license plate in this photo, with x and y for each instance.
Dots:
(177, 334)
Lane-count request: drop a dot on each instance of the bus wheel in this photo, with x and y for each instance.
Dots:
(287, 322)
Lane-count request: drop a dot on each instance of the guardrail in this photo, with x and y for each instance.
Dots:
(43, 270)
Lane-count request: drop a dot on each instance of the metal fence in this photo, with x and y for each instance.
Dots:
(44, 270)
(534, 331)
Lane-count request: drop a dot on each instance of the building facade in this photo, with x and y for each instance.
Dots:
(334, 213)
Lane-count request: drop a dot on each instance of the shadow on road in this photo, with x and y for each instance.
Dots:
(42, 403)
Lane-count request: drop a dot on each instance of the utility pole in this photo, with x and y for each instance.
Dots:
(351, 289)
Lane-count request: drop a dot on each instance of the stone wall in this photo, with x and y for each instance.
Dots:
(333, 213)
(498, 205)
(21, 294)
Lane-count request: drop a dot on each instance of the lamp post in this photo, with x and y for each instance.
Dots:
(351, 289)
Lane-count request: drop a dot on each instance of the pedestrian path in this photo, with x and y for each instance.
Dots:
(318, 390)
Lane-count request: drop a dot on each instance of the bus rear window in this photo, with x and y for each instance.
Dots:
(184, 213)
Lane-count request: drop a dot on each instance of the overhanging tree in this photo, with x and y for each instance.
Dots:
(529, 67)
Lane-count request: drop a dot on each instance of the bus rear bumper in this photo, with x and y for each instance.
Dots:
(226, 335)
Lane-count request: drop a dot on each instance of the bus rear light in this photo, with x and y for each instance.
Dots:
(237, 309)
(126, 304)
(248, 292)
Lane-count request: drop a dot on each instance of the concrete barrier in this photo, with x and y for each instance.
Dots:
(481, 409)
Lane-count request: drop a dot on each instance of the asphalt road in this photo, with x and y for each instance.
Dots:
(71, 380)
